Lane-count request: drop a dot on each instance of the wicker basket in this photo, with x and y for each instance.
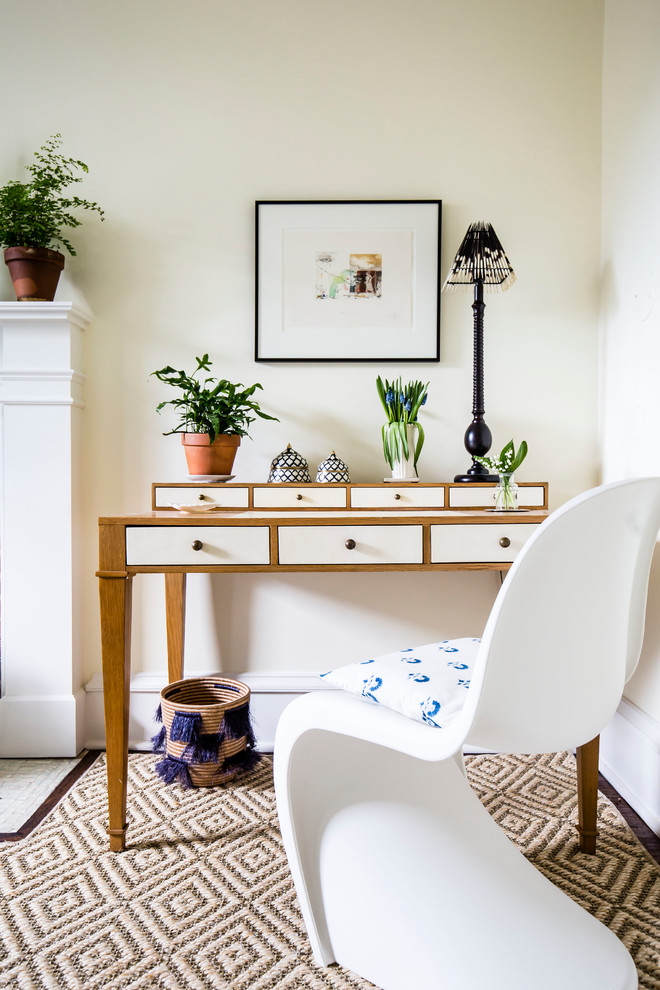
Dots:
(206, 736)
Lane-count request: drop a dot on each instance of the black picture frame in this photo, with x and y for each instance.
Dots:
(347, 280)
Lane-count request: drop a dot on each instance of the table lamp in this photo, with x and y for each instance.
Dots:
(481, 262)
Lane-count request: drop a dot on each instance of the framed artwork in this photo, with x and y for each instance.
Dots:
(348, 280)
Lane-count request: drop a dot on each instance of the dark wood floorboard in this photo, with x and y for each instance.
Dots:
(645, 835)
(53, 798)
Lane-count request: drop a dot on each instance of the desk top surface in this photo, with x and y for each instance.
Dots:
(390, 517)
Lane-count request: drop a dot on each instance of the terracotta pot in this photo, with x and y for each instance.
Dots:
(35, 272)
(210, 458)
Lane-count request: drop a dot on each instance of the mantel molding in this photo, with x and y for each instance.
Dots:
(38, 387)
(28, 375)
(45, 312)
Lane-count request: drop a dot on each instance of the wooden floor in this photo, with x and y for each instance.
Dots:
(50, 802)
(648, 838)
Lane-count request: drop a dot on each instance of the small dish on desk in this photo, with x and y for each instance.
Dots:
(194, 507)
(211, 477)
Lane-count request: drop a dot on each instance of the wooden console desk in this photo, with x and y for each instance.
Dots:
(289, 528)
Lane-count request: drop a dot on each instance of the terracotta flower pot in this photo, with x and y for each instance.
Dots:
(210, 458)
(35, 272)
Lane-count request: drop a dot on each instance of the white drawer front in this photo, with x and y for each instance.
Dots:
(232, 498)
(479, 544)
(390, 496)
(478, 497)
(220, 545)
(302, 497)
(327, 544)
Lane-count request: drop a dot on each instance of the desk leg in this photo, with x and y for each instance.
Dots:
(587, 782)
(116, 594)
(175, 617)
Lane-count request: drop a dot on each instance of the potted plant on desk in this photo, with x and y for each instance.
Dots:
(510, 459)
(403, 436)
(32, 217)
(215, 414)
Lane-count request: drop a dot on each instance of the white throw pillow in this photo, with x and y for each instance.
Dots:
(427, 683)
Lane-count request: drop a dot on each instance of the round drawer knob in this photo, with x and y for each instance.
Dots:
(197, 544)
(505, 542)
(350, 544)
(299, 497)
(397, 496)
(201, 497)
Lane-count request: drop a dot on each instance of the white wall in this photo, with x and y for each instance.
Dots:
(630, 396)
(188, 112)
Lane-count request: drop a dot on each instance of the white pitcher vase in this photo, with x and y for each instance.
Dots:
(403, 468)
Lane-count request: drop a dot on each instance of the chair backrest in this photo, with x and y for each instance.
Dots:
(566, 629)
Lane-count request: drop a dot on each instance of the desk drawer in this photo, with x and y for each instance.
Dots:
(327, 544)
(274, 496)
(483, 496)
(219, 545)
(232, 498)
(493, 543)
(397, 497)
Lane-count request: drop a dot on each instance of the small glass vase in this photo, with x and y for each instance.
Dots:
(506, 494)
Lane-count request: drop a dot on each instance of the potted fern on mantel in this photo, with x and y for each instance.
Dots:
(214, 415)
(33, 216)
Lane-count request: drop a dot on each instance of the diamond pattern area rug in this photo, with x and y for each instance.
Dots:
(202, 897)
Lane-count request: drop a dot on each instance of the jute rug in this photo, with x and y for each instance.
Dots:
(202, 898)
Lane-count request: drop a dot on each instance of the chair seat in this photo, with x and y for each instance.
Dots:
(427, 683)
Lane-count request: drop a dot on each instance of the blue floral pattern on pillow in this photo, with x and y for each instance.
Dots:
(371, 684)
(432, 691)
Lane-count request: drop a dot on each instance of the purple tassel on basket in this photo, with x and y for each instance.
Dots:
(238, 723)
(205, 750)
(170, 770)
(158, 716)
(158, 741)
(186, 727)
(246, 760)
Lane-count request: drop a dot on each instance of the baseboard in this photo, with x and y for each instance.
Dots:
(41, 725)
(630, 760)
(270, 694)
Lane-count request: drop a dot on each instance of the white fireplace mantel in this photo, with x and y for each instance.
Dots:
(41, 384)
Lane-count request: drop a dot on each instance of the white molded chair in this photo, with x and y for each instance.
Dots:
(402, 875)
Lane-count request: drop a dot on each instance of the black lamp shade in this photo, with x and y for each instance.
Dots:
(480, 258)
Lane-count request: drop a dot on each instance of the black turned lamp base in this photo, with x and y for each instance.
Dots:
(484, 478)
(478, 440)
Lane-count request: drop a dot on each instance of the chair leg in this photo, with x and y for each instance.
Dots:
(587, 784)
